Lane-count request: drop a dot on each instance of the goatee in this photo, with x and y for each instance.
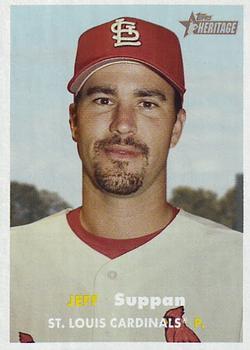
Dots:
(117, 179)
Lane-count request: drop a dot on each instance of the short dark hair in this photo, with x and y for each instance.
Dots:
(177, 101)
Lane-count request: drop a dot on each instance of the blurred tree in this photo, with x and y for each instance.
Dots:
(28, 204)
(206, 204)
(53, 202)
(227, 208)
(196, 201)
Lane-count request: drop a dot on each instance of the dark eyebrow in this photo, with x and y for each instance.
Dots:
(112, 91)
(147, 92)
(101, 89)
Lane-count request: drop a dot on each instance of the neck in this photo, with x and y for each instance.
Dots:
(131, 216)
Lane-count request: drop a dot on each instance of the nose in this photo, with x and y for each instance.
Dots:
(123, 120)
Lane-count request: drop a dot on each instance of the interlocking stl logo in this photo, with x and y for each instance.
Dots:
(201, 23)
(126, 33)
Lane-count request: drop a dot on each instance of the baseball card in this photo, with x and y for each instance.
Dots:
(123, 164)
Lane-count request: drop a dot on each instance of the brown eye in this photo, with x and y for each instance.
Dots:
(103, 101)
(148, 105)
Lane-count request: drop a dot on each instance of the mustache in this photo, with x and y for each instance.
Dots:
(117, 140)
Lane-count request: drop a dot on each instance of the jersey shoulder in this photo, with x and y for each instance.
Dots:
(209, 243)
(209, 236)
(43, 224)
(51, 229)
(204, 225)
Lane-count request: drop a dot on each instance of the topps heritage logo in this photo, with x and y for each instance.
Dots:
(201, 23)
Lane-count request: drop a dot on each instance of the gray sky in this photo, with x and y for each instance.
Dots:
(43, 45)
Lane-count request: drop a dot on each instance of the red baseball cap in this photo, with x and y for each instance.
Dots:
(129, 39)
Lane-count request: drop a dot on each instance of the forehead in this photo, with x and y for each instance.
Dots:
(128, 75)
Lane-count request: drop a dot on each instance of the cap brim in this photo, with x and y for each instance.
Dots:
(76, 83)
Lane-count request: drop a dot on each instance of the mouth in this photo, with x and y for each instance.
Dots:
(122, 152)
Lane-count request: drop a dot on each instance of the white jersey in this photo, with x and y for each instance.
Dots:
(63, 290)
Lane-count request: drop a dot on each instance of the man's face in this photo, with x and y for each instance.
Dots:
(124, 123)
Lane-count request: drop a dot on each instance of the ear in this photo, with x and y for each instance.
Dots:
(178, 126)
(73, 121)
